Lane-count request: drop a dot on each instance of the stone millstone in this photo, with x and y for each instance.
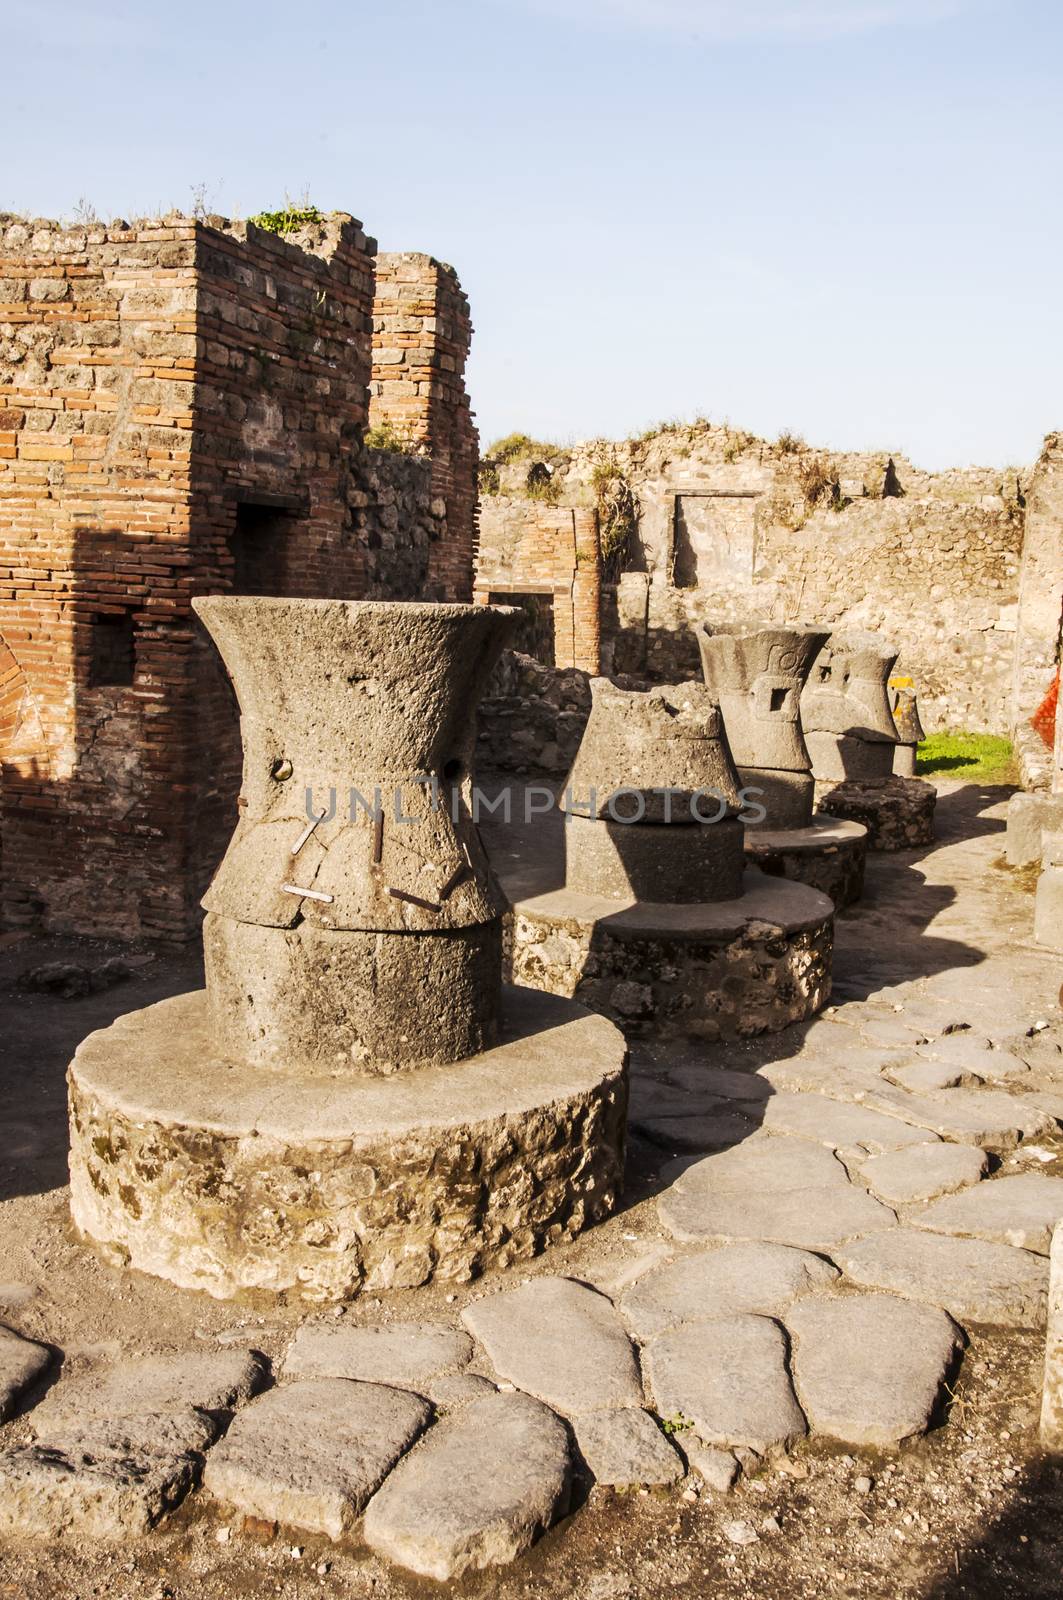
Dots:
(764, 1278)
(561, 1342)
(153, 1385)
(221, 1177)
(729, 1379)
(626, 1447)
(310, 1454)
(476, 1492)
(924, 1171)
(868, 1369)
(1020, 1210)
(972, 1280)
(406, 1355)
(21, 1363)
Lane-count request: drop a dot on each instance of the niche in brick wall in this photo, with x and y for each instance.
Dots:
(112, 653)
(534, 635)
(260, 545)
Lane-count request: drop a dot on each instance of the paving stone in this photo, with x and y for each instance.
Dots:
(717, 1469)
(21, 1363)
(560, 1341)
(807, 1075)
(182, 1431)
(809, 1219)
(986, 1117)
(765, 1163)
(729, 1379)
(836, 1124)
(762, 1278)
(974, 1056)
(924, 1171)
(454, 1389)
(713, 1130)
(868, 1369)
(726, 1082)
(626, 1447)
(405, 1354)
(209, 1380)
(927, 1077)
(971, 1279)
(1020, 1211)
(310, 1454)
(477, 1491)
(93, 1486)
(891, 1030)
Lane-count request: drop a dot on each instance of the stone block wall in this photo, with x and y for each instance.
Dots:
(182, 410)
(1040, 607)
(421, 335)
(528, 547)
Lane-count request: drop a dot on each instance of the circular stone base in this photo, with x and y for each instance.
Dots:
(721, 971)
(217, 1176)
(829, 855)
(898, 814)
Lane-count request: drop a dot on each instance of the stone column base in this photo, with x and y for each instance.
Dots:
(898, 814)
(722, 971)
(828, 855)
(217, 1176)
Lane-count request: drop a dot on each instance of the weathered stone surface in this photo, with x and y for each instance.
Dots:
(757, 672)
(718, 1129)
(809, 1216)
(21, 1363)
(310, 1454)
(766, 1165)
(686, 863)
(456, 1389)
(986, 1117)
(828, 854)
(928, 1077)
(478, 1490)
(1020, 1210)
(1052, 1389)
(845, 709)
(227, 1178)
(102, 1487)
(145, 1385)
(561, 1342)
(976, 1058)
(406, 1355)
(924, 1171)
(626, 1447)
(898, 813)
(717, 1469)
(836, 1123)
(972, 1280)
(729, 1379)
(762, 1278)
(868, 1369)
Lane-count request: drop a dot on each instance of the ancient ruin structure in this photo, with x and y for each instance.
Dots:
(907, 725)
(851, 738)
(183, 410)
(354, 1101)
(757, 674)
(657, 923)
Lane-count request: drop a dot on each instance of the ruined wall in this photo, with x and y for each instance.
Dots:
(421, 336)
(1040, 610)
(528, 547)
(730, 526)
(182, 407)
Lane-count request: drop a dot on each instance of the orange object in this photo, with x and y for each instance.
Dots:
(1044, 718)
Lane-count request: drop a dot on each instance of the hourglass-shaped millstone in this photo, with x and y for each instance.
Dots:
(652, 798)
(354, 923)
(845, 709)
(756, 672)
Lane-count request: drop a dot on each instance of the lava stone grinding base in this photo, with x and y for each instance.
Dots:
(726, 970)
(898, 814)
(217, 1176)
(828, 855)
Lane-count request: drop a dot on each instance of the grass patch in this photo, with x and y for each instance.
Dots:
(973, 757)
(289, 220)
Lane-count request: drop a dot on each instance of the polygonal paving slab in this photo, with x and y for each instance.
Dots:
(626, 1448)
(764, 1278)
(144, 1385)
(310, 1454)
(21, 1364)
(479, 1489)
(407, 1355)
(809, 1219)
(986, 1117)
(728, 1379)
(765, 1163)
(868, 1369)
(837, 1124)
(560, 1341)
(924, 1171)
(1020, 1211)
(972, 1280)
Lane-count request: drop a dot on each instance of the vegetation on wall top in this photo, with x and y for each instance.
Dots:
(290, 219)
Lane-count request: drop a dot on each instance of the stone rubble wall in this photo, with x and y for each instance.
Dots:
(1040, 609)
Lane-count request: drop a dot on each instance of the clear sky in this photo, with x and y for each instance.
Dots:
(841, 217)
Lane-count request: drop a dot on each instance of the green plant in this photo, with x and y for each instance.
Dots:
(677, 1423)
(974, 757)
(487, 478)
(542, 483)
(382, 436)
(290, 219)
(618, 516)
(790, 444)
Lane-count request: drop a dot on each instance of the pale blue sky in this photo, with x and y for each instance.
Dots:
(841, 217)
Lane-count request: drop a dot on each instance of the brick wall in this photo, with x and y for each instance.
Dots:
(527, 547)
(421, 336)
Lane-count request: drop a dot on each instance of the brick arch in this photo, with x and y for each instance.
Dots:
(21, 735)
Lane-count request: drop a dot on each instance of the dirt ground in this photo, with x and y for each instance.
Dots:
(972, 1510)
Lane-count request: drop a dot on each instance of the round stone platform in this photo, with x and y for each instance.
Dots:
(723, 970)
(898, 814)
(828, 855)
(221, 1177)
